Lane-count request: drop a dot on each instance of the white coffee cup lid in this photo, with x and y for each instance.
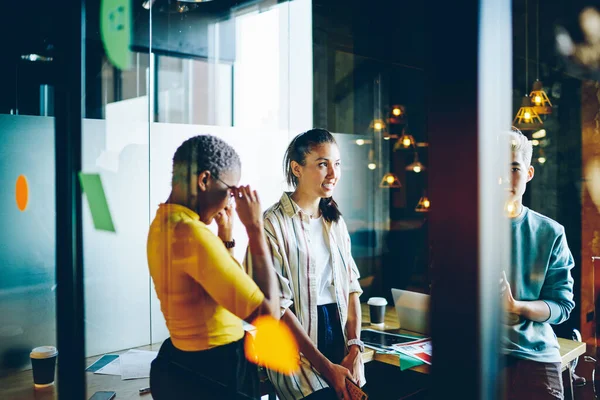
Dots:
(377, 301)
(43, 352)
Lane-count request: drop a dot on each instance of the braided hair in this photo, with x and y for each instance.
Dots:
(203, 153)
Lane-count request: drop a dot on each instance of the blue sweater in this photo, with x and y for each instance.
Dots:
(541, 270)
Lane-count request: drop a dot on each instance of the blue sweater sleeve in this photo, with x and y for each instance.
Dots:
(557, 290)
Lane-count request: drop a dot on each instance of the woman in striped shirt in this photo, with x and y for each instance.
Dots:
(317, 275)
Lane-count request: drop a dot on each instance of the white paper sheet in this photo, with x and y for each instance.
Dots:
(135, 364)
(113, 368)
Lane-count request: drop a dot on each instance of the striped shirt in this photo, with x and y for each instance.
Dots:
(287, 229)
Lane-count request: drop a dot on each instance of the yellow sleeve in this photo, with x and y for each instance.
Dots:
(211, 265)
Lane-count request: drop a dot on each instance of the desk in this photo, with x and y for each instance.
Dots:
(19, 386)
(391, 324)
(569, 349)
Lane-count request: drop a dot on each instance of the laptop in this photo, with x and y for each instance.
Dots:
(412, 309)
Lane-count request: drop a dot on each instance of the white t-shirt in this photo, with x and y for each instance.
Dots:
(322, 253)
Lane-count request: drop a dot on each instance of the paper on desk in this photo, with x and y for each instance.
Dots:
(114, 368)
(102, 362)
(136, 364)
(406, 362)
(420, 349)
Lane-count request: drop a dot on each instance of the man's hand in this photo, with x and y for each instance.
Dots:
(510, 304)
(533, 310)
(512, 307)
(352, 362)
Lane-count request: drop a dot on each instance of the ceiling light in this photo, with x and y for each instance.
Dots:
(390, 181)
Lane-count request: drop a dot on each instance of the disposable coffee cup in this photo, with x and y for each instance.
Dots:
(377, 310)
(43, 363)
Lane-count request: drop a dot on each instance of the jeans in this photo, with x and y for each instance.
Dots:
(330, 344)
(218, 373)
(530, 380)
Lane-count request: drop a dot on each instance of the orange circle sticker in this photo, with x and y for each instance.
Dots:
(22, 192)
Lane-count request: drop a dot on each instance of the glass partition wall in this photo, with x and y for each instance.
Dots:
(417, 137)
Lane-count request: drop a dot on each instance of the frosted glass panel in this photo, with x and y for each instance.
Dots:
(27, 240)
(115, 270)
(116, 274)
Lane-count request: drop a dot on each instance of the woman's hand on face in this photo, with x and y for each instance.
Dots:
(247, 205)
(224, 220)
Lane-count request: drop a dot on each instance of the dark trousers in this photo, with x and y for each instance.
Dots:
(532, 380)
(218, 373)
(330, 343)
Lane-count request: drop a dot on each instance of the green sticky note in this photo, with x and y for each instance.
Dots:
(92, 187)
(407, 362)
(115, 30)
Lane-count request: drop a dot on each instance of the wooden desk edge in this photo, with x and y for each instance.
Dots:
(569, 351)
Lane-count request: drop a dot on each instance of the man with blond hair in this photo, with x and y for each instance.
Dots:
(539, 290)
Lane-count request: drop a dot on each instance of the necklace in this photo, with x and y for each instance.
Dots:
(311, 215)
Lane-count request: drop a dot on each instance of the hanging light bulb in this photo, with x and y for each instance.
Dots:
(397, 114)
(360, 142)
(372, 165)
(423, 205)
(416, 165)
(378, 124)
(542, 157)
(405, 141)
(390, 181)
(539, 99)
(527, 118)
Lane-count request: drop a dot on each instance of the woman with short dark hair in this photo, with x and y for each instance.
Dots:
(204, 293)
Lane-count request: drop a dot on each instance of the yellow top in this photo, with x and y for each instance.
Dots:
(203, 291)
